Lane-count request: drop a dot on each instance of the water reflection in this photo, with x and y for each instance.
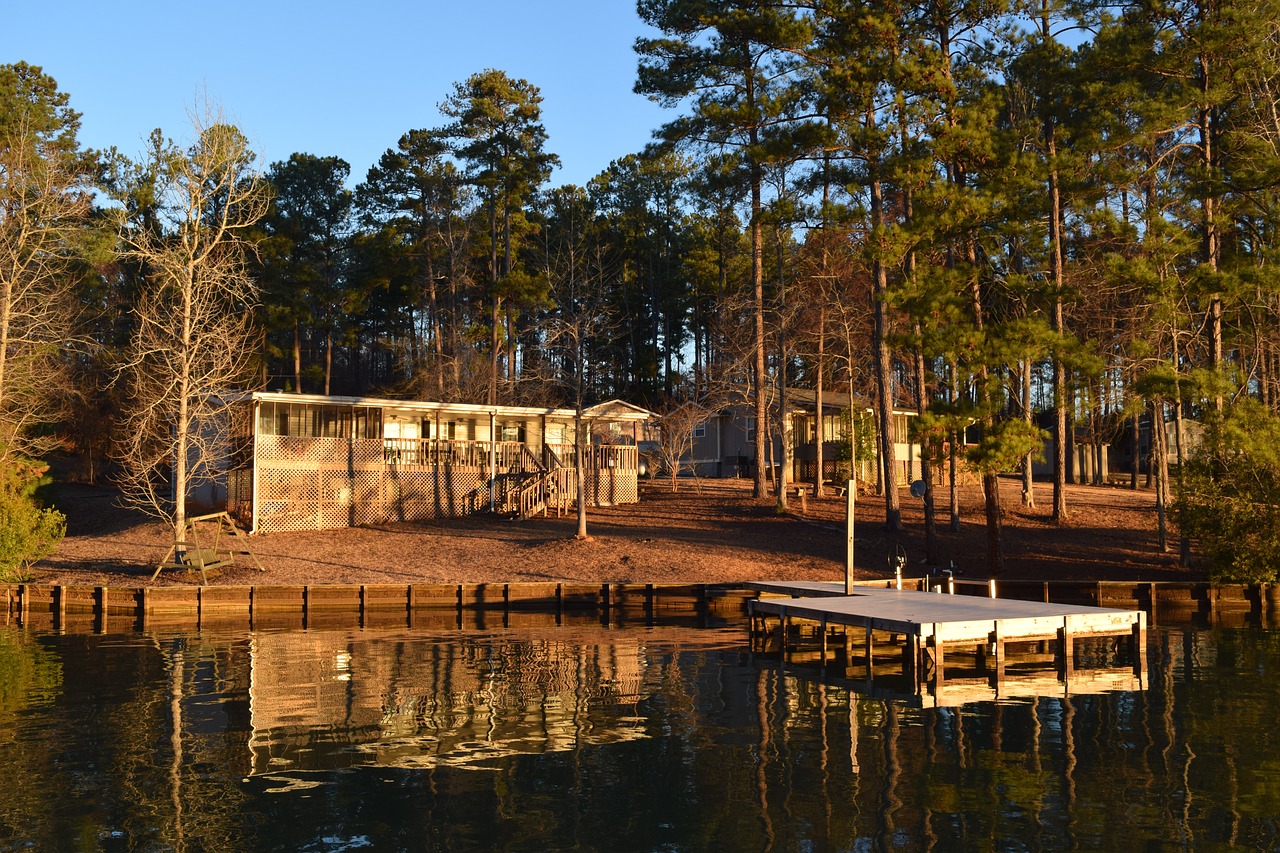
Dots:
(599, 739)
(327, 700)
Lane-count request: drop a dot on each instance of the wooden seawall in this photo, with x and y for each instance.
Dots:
(100, 609)
(126, 608)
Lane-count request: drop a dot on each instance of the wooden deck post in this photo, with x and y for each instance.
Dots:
(822, 645)
(852, 490)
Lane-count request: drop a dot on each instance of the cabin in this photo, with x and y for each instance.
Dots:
(311, 462)
(724, 444)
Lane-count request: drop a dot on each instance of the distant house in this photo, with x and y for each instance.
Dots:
(724, 445)
(307, 462)
(1088, 458)
(1122, 451)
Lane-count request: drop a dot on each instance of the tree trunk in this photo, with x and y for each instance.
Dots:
(880, 345)
(1028, 493)
(759, 488)
(953, 456)
(820, 424)
(784, 431)
(995, 545)
(926, 463)
(580, 471)
(1161, 464)
(328, 359)
(297, 357)
(1135, 438)
(496, 302)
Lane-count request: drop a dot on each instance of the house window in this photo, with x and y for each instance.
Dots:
(368, 423)
(511, 432)
(751, 428)
(901, 434)
(700, 431)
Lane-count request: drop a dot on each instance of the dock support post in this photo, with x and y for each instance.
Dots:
(1139, 645)
(870, 656)
(783, 626)
(848, 647)
(1066, 649)
(911, 648)
(822, 646)
(997, 649)
(937, 650)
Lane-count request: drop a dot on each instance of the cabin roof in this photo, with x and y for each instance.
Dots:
(611, 410)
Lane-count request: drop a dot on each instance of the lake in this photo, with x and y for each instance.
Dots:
(585, 737)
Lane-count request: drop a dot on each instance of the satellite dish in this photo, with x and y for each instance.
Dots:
(917, 489)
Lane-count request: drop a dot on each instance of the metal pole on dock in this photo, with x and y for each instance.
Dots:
(848, 524)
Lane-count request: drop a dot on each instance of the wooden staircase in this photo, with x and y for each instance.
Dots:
(526, 491)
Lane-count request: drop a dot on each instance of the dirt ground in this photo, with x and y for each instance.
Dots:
(707, 532)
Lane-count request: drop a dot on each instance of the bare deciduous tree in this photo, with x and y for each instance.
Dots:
(193, 339)
(45, 203)
(680, 418)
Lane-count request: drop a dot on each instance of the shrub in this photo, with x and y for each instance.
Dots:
(1228, 499)
(28, 531)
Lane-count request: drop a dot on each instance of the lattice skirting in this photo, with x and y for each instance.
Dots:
(296, 499)
(604, 488)
(292, 499)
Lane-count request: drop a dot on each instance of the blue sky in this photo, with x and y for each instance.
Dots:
(342, 79)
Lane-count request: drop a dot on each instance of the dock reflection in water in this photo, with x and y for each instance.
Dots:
(593, 738)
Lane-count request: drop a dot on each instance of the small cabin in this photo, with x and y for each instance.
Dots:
(309, 462)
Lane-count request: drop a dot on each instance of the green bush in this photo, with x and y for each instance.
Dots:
(28, 531)
(1228, 499)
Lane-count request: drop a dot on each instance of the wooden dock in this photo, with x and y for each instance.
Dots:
(922, 629)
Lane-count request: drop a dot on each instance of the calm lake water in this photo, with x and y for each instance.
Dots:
(588, 738)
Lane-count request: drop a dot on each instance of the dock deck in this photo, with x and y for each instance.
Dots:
(930, 625)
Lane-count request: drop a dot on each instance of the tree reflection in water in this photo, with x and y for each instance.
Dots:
(605, 739)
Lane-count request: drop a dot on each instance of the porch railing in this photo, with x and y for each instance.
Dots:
(437, 452)
(508, 456)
